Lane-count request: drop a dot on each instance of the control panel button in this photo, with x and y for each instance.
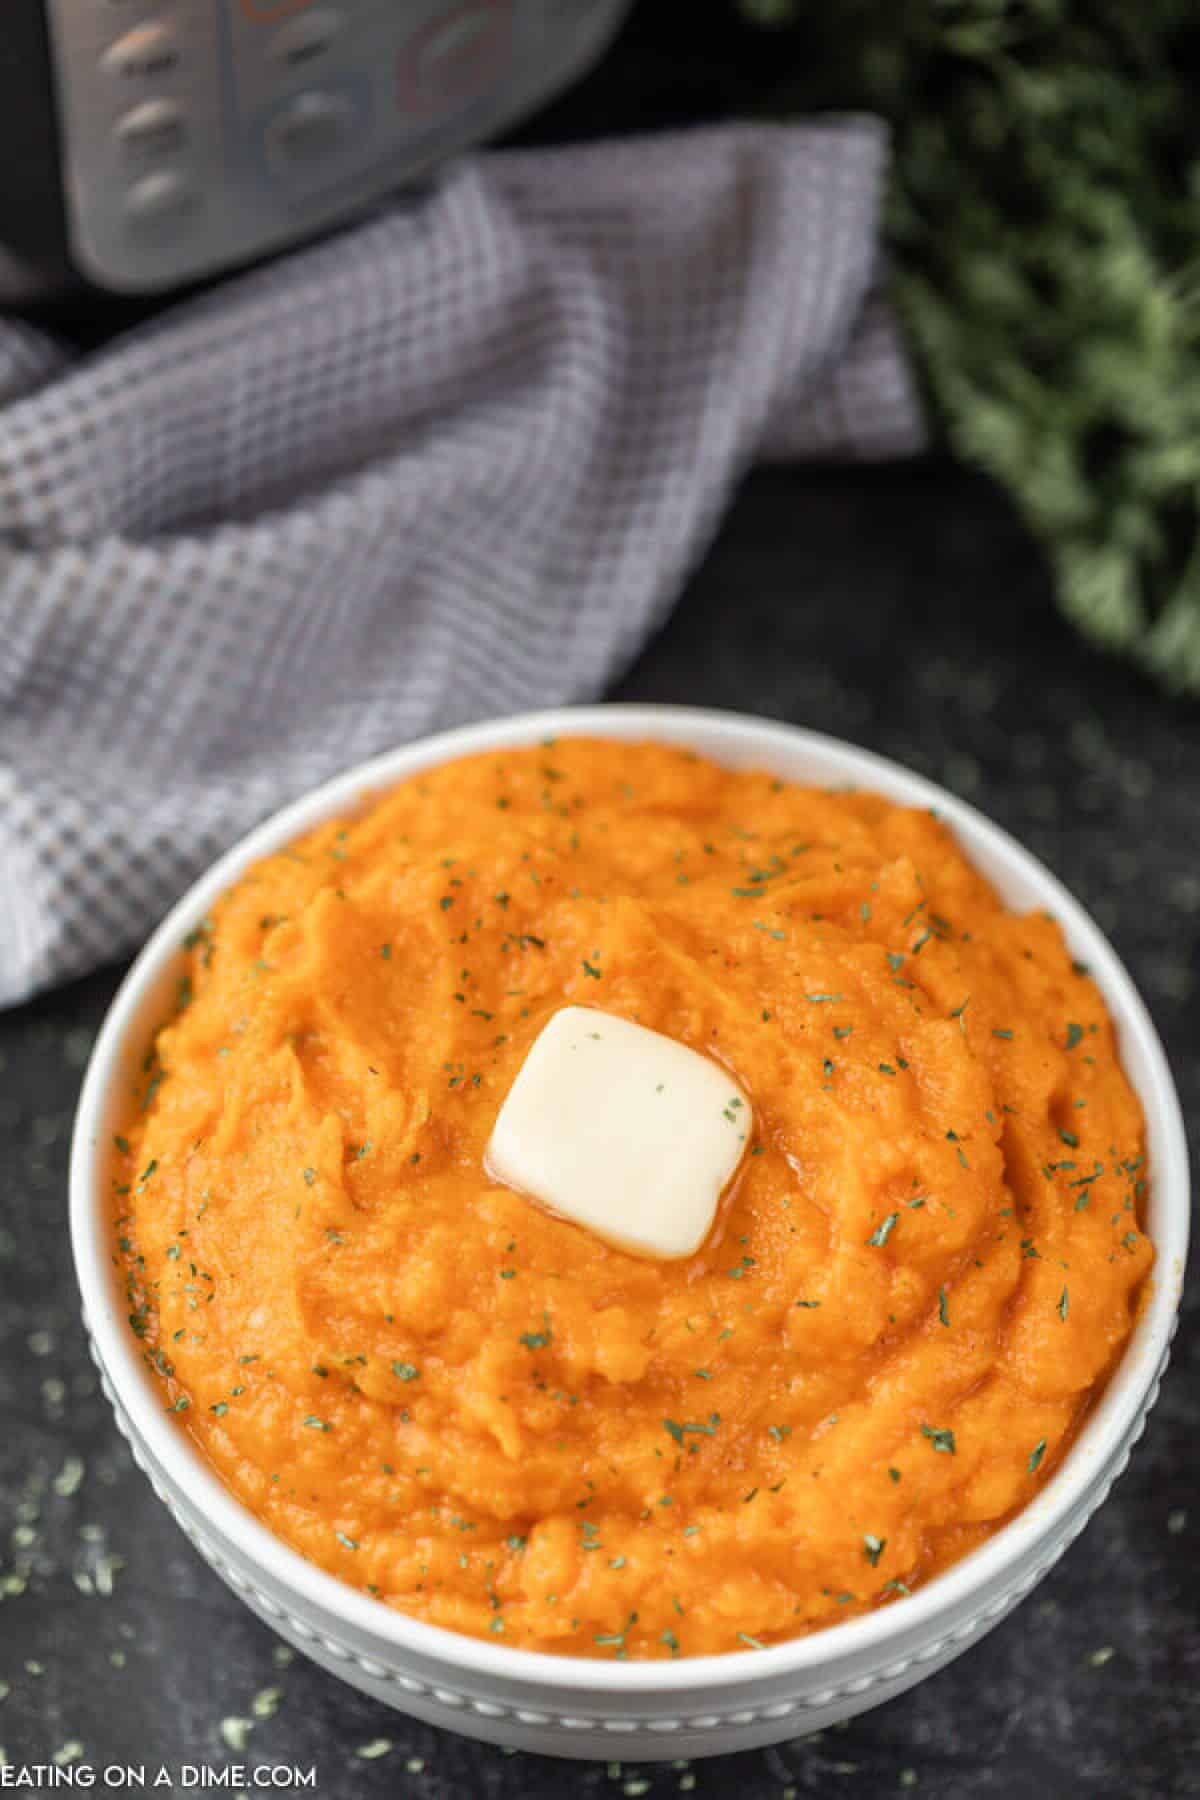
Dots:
(161, 201)
(310, 129)
(145, 54)
(305, 39)
(460, 54)
(153, 129)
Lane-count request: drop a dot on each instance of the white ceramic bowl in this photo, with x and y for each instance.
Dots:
(702, 1705)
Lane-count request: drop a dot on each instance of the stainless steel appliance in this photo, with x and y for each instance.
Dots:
(145, 144)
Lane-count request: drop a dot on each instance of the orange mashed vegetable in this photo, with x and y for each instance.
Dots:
(921, 1276)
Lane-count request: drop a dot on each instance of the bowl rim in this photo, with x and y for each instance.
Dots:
(1105, 1429)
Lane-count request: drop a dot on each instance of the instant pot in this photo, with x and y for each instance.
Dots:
(146, 144)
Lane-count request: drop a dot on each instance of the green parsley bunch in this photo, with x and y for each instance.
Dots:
(1044, 225)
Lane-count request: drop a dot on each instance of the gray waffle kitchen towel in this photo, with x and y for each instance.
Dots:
(455, 462)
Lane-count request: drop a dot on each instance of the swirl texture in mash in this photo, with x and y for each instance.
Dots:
(490, 1419)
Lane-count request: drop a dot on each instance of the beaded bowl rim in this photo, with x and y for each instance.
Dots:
(738, 740)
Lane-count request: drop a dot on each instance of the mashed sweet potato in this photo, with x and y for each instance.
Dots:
(926, 1267)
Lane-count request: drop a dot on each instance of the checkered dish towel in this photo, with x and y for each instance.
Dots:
(455, 462)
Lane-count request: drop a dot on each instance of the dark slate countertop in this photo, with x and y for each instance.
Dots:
(905, 609)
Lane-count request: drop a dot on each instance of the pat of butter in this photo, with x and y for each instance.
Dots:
(622, 1130)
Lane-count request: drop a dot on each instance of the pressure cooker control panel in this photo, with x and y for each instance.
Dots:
(202, 133)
